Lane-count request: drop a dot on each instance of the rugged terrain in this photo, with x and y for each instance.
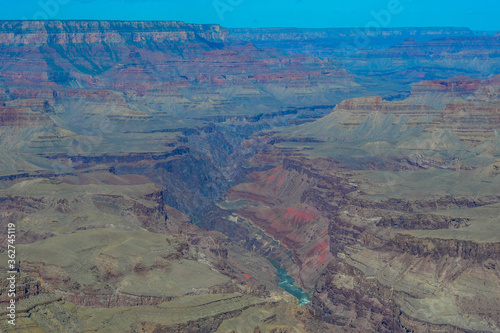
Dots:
(397, 202)
(152, 168)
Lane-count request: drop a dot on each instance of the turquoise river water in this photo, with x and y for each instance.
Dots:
(287, 284)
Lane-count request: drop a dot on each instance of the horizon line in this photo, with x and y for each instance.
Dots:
(252, 28)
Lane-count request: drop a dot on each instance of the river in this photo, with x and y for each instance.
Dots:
(287, 284)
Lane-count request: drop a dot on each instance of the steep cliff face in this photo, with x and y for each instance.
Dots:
(287, 202)
(113, 32)
(368, 272)
(73, 51)
(280, 35)
(157, 62)
(390, 58)
(470, 106)
(405, 237)
(22, 117)
(439, 46)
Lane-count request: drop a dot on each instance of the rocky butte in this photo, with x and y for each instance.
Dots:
(159, 173)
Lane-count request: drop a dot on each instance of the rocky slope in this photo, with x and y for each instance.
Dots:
(392, 58)
(394, 236)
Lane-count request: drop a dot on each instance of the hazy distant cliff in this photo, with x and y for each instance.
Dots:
(281, 34)
(61, 32)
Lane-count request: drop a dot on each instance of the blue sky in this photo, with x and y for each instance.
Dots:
(475, 14)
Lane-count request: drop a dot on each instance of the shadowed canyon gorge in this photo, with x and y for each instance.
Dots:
(161, 175)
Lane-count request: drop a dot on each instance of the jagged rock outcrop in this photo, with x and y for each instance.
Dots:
(476, 251)
(422, 221)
